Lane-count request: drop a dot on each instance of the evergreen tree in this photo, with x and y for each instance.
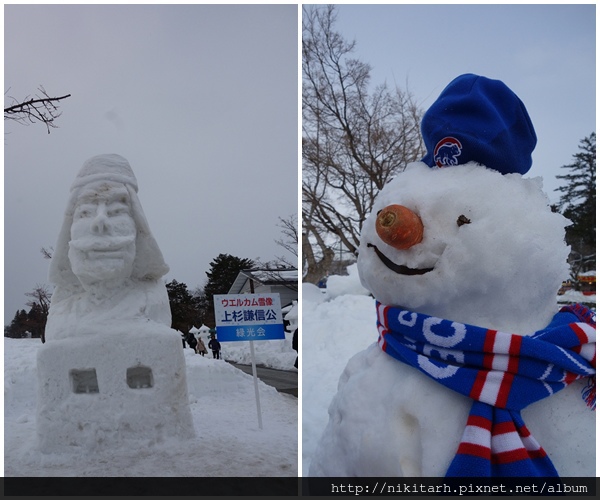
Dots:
(578, 199)
(223, 272)
(40, 307)
(18, 326)
(184, 306)
(36, 321)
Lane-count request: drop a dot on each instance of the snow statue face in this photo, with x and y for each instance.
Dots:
(104, 222)
(106, 265)
(478, 247)
(103, 232)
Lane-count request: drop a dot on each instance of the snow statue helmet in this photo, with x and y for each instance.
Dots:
(149, 263)
(478, 119)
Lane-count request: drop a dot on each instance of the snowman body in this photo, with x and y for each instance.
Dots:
(493, 255)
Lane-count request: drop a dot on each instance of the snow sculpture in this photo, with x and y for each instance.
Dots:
(111, 369)
(483, 248)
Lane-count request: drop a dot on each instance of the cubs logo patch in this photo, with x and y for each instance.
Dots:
(447, 151)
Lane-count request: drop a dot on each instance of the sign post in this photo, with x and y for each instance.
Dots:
(256, 394)
(249, 317)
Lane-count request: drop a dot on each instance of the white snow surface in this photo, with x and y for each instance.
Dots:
(366, 414)
(222, 400)
(113, 391)
(334, 330)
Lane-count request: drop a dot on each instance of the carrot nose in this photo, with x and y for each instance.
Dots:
(399, 227)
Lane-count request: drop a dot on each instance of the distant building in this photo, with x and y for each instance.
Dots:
(583, 291)
(281, 281)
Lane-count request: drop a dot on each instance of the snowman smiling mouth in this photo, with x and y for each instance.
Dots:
(398, 268)
(401, 228)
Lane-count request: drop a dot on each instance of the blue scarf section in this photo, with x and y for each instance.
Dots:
(503, 373)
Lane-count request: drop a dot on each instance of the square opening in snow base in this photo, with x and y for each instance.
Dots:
(84, 381)
(139, 377)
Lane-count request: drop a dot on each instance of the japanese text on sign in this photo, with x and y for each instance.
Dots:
(248, 317)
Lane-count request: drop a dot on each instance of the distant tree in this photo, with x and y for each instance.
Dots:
(317, 255)
(288, 240)
(36, 321)
(184, 306)
(38, 314)
(223, 271)
(578, 203)
(19, 326)
(41, 108)
(355, 138)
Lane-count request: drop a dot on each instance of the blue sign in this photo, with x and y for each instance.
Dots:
(248, 317)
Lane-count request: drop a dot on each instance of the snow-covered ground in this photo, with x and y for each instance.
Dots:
(222, 398)
(336, 324)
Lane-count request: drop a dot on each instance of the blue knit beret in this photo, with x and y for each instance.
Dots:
(482, 120)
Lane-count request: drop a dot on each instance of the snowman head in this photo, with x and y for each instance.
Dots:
(486, 249)
(466, 242)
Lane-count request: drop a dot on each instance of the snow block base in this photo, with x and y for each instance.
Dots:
(107, 389)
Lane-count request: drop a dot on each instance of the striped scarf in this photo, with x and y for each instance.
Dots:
(503, 373)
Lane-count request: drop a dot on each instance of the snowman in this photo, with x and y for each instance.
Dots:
(474, 371)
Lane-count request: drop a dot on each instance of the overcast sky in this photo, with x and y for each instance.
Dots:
(545, 53)
(201, 99)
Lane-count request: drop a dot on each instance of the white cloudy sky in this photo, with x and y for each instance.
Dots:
(201, 99)
(545, 53)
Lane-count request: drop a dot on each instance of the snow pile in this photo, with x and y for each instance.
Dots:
(574, 297)
(333, 330)
(222, 402)
(492, 255)
(109, 389)
(346, 285)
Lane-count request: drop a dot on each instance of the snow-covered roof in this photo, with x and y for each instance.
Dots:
(587, 276)
(265, 276)
(574, 296)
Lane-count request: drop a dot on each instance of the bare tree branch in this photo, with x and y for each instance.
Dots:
(289, 230)
(47, 252)
(356, 137)
(39, 109)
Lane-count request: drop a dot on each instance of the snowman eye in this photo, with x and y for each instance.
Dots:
(462, 220)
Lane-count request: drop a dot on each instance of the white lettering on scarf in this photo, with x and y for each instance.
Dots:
(426, 364)
(434, 370)
(407, 322)
(438, 371)
(460, 331)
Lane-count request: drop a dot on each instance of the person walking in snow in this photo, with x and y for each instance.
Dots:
(295, 345)
(215, 346)
(191, 340)
(200, 347)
